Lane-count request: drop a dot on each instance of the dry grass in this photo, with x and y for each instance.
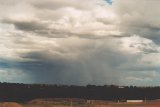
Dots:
(11, 104)
(148, 104)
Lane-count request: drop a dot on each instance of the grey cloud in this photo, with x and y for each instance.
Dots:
(42, 29)
(36, 27)
(26, 25)
(29, 26)
(56, 4)
(147, 31)
(4, 63)
(147, 51)
(142, 20)
(55, 70)
(102, 65)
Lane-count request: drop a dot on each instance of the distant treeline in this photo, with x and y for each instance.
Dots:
(26, 92)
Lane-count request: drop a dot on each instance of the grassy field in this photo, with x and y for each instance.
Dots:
(76, 104)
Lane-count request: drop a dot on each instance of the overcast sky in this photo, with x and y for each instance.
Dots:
(80, 42)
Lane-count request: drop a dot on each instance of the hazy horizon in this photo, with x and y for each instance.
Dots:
(80, 42)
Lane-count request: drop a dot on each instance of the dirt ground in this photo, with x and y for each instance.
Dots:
(155, 103)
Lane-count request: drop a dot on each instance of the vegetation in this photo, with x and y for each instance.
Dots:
(26, 92)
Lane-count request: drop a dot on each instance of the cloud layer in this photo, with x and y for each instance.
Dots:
(80, 42)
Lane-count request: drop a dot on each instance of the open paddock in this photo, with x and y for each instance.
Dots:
(154, 103)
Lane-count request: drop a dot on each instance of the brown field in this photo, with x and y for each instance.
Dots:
(79, 103)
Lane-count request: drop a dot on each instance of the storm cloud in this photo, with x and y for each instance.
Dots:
(80, 42)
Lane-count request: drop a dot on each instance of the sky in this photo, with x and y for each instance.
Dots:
(80, 42)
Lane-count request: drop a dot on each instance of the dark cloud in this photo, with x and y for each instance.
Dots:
(50, 68)
(55, 69)
(145, 30)
(26, 25)
(4, 63)
(7, 63)
(53, 5)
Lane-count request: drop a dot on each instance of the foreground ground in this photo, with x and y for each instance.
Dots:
(70, 103)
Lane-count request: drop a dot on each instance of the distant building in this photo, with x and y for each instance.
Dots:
(134, 101)
(121, 87)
